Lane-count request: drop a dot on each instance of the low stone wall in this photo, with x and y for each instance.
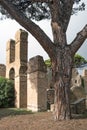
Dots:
(79, 106)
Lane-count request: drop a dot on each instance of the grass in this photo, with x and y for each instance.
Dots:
(4, 112)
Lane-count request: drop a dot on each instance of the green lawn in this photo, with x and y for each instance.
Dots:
(13, 111)
(4, 112)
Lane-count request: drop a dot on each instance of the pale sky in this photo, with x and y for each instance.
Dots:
(9, 27)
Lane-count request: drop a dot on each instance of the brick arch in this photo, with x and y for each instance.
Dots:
(12, 74)
(16, 62)
(30, 84)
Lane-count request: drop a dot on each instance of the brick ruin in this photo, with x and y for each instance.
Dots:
(32, 80)
(2, 70)
(16, 66)
(37, 84)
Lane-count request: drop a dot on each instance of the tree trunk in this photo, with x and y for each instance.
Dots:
(62, 63)
(62, 71)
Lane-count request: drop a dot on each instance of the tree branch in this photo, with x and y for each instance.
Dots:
(30, 26)
(41, 1)
(55, 11)
(66, 13)
(57, 23)
(79, 40)
(61, 11)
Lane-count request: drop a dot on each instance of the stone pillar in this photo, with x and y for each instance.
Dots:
(21, 56)
(21, 91)
(10, 52)
(16, 66)
(37, 85)
(84, 75)
(21, 38)
(10, 55)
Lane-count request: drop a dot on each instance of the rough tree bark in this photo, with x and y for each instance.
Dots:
(60, 53)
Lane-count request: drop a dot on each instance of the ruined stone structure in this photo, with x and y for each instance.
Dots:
(16, 66)
(2, 70)
(77, 88)
(76, 78)
(32, 81)
(84, 75)
(37, 84)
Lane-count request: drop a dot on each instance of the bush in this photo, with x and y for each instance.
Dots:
(7, 93)
(79, 60)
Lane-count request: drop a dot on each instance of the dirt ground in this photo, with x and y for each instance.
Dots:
(40, 121)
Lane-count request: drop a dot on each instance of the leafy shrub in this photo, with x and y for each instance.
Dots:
(48, 63)
(79, 60)
(7, 93)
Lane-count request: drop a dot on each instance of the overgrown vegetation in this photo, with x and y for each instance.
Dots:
(7, 93)
(48, 63)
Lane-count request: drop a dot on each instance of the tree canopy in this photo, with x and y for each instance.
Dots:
(39, 10)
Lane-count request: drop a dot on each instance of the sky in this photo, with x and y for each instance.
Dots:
(9, 27)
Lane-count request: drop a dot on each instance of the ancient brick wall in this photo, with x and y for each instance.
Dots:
(16, 66)
(84, 75)
(2, 70)
(37, 84)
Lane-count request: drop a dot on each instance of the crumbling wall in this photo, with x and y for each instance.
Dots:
(16, 66)
(2, 70)
(37, 84)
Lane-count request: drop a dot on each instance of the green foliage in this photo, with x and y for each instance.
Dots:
(79, 60)
(7, 93)
(48, 63)
(39, 10)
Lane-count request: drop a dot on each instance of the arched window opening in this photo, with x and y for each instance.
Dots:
(12, 74)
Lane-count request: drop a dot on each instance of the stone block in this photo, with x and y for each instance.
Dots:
(36, 64)
(21, 35)
(37, 85)
(84, 73)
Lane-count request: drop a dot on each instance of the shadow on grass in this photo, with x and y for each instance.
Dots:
(4, 112)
